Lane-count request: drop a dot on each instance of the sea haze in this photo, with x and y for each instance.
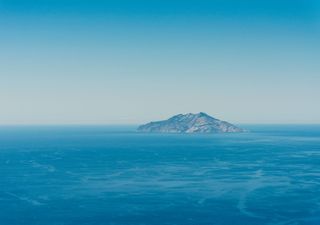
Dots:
(90, 175)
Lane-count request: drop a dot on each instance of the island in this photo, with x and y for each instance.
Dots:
(190, 123)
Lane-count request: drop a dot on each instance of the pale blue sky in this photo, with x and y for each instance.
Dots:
(120, 62)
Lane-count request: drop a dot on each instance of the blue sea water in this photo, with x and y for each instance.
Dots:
(97, 175)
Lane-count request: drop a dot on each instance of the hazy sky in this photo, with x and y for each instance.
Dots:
(76, 61)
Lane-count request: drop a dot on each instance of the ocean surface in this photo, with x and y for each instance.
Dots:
(97, 175)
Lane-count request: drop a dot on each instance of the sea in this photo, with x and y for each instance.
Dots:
(113, 175)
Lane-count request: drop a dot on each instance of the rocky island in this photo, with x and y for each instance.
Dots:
(190, 123)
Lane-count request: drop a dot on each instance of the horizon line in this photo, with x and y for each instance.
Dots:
(131, 124)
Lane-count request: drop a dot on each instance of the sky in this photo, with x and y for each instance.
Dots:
(131, 62)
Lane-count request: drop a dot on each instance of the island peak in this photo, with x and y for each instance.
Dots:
(190, 123)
